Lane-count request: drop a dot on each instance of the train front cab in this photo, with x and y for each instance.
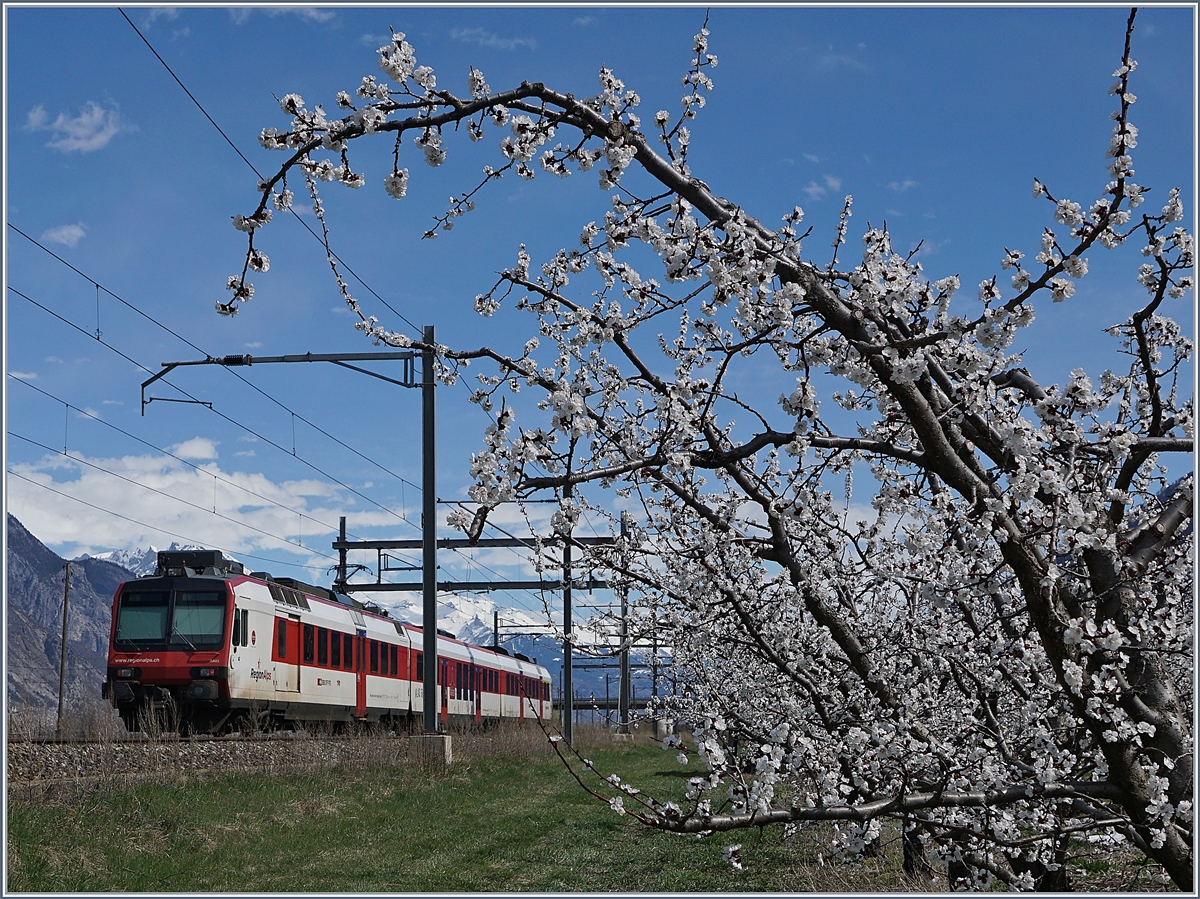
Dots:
(168, 661)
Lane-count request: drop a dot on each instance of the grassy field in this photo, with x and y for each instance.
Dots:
(504, 817)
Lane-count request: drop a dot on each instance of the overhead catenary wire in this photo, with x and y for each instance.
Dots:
(236, 374)
(151, 319)
(220, 414)
(159, 449)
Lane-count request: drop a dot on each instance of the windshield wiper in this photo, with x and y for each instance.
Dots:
(175, 631)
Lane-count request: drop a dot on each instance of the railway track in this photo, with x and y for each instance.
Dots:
(34, 761)
(168, 739)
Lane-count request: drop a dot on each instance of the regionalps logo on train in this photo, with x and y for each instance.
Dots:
(184, 653)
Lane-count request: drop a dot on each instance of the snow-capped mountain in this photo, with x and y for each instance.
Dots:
(140, 561)
(470, 618)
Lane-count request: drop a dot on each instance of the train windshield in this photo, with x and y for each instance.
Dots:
(162, 619)
(142, 619)
(199, 620)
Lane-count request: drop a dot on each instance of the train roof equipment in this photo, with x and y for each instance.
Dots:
(197, 563)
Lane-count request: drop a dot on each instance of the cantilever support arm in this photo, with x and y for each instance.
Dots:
(168, 367)
(336, 358)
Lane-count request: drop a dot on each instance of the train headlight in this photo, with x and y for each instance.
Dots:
(124, 673)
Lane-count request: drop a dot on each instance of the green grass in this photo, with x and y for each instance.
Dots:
(488, 823)
(505, 816)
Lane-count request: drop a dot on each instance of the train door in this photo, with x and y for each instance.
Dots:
(444, 672)
(477, 683)
(286, 652)
(360, 675)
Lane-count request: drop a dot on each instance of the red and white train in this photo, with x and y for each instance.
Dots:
(203, 646)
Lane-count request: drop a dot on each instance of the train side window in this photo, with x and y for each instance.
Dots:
(395, 653)
(335, 650)
(322, 646)
(374, 657)
(383, 659)
(310, 638)
(236, 639)
(281, 638)
(421, 666)
(348, 651)
(245, 624)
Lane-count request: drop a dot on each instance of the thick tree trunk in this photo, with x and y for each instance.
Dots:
(916, 862)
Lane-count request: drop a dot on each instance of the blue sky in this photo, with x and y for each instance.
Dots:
(935, 120)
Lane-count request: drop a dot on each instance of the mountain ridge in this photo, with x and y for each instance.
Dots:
(34, 589)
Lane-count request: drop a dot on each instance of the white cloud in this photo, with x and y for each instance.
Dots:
(52, 359)
(169, 13)
(67, 235)
(811, 158)
(374, 41)
(24, 375)
(112, 403)
(253, 346)
(831, 60)
(91, 130)
(181, 509)
(307, 13)
(487, 39)
(902, 186)
(196, 448)
(816, 191)
(586, 20)
(240, 15)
